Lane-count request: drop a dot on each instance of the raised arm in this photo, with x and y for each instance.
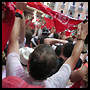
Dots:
(79, 74)
(82, 33)
(22, 30)
(13, 41)
(53, 41)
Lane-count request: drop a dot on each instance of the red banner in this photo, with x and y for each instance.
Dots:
(7, 23)
(61, 21)
(49, 22)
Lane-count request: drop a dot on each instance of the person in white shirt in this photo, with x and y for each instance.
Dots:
(45, 57)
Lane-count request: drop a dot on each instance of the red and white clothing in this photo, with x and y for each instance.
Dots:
(58, 80)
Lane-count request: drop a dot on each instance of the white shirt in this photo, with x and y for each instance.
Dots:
(3, 72)
(58, 80)
(22, 44)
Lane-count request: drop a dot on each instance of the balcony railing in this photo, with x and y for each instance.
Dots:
(86, 10)
(63, 6)
(80, 9)
(72, 7)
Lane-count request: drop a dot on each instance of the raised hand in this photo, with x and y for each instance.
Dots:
(21, 5)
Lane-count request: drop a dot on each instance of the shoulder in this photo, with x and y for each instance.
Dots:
(62, 75)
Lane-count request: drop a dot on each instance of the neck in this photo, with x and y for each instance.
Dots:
(63, 57)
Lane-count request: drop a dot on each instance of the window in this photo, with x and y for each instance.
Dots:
(81, 7)
(71, 14)
(79, 16)
(87, 10)
(73, 3)
(87, 17)
(61, 11)
(72, 7)
(63, 5)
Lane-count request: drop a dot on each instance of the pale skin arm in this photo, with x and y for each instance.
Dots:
(13, 40)
(53, 41)
(22, 30)
(27, 25)
(82, 33)
(77, 75)
(35, 32)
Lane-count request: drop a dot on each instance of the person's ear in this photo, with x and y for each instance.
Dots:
(38, 42)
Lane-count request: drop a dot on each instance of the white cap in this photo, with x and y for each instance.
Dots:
(24, 54)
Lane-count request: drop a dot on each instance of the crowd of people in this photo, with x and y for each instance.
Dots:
(37, 57)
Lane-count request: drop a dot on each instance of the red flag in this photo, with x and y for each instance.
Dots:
(67, 33)
(61, 21)
(40, 7)
(49, 22)
(59, 25)
(73, 28)
(7, 23)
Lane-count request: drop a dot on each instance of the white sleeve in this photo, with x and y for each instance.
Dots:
(60, 79)
(54, 47)
(22, 44)
(13, 65)
(39, 32)
(51, 35)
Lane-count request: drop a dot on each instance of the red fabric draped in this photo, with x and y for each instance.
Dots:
(61, 21)
(7, 23)
(49, 22)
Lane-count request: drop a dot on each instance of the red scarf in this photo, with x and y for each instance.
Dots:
(60, 20)
(7, 23)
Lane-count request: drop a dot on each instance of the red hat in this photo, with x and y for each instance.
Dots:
(7, 23)
(16, 82)
(37, 19)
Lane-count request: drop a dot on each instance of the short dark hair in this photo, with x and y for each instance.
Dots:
(42, 62)
(42, 39)
(58, 50)
(56, 35)
(67, 50)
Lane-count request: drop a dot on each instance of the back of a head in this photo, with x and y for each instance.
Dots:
(45, 31)
(70, 40)
(42, 39)
(67, 50)
(56, 35)
(58, 50)
(42, 62)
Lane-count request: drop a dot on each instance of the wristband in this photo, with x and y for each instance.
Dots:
(18, 13)
(81, 39)
(86, 65)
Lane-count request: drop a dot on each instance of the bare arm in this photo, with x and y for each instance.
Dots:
(78, 74)
(22, 30)
(35, 32)
(26, 26)
(53, 41)
(72, 60)
(13, 41)
(65, 37)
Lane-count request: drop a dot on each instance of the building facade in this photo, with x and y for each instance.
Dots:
(77, 10)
